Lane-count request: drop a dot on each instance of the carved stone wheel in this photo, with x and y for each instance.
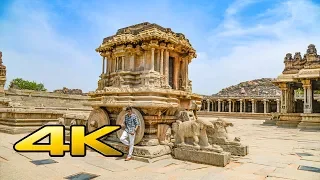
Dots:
(97, 118)
(140, 131)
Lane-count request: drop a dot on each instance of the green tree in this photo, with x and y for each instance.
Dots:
(20, 83)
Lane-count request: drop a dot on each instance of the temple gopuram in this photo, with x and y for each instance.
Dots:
(300, 77)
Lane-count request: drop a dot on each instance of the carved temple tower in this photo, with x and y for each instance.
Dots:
(3, 75)
(300, 77)
(144, 66)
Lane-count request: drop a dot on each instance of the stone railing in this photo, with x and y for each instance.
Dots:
(242, 97)
(301, 96)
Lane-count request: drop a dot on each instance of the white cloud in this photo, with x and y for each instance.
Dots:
(32, 49)
(257, 51)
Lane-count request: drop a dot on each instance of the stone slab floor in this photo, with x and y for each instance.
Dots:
(273, 155)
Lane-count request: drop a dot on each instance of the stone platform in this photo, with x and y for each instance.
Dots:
(289, 120)
(310, 121)
(203, 157)
(297, 120)
(18, 120)
(236, 150)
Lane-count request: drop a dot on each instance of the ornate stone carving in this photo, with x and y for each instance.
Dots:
(108, 99)
(188, 129)
(312, 49)
(297, 56)
(219, 136)
(118, 81)
(98, 118)
(164, 134)
(288, 57)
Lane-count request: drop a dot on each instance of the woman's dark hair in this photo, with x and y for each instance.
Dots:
(129, 108)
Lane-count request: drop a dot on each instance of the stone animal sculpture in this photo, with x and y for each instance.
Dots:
(188, 129)
(195, 129)
(219, 134)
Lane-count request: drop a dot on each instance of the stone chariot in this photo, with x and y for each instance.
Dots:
(145, 66)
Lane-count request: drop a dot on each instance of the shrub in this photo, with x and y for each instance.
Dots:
(20, 83)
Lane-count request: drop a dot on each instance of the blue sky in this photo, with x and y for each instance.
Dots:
(54, 41)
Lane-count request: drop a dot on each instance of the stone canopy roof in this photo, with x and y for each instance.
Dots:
(137, 34)
(298, 67)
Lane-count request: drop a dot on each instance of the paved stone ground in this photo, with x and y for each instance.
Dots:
(272, 156)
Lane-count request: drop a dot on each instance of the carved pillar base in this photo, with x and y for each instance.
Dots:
(150, 137)
(149, 140)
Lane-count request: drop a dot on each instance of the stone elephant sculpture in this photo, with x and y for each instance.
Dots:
(194, 129)
(188, 129)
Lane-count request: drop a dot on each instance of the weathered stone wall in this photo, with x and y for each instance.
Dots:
(45, 99)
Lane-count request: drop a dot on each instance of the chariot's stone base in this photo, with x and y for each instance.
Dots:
(143, 151)
(203, 157)
(236, 150)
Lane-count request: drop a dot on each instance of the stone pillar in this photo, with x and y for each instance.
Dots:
(108, 65)
(186, 74)
(132, 62)
(176, 72)
(264, 106)
(114, 64)
(229, 105)
(222, 108)
(166, 67)
(152, 59)
(158, 61)
(103, 64)
(253, 106)
(278, 105)
(308, 96)
(208, 104)
(240, 105)
(244, 106)
(122, 65)
(219, 105)
(144, 56)
(233, 106)
(161, 62)
(287, 98)
(283, 100)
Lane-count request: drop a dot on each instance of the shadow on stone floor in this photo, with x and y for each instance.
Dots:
(309, 130)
